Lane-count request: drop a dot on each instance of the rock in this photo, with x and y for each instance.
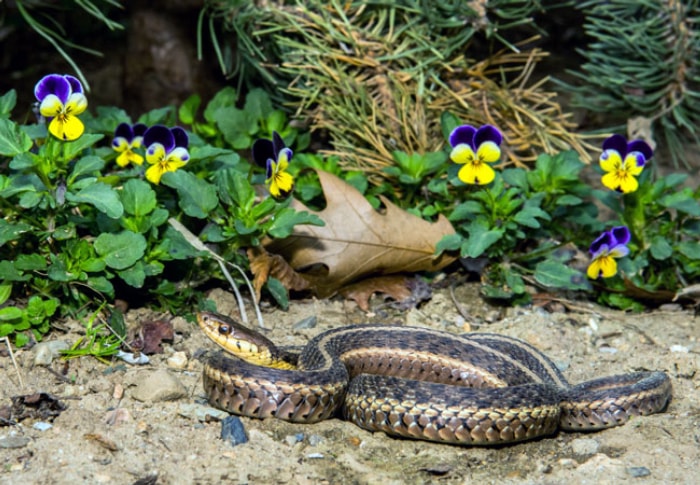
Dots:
(42, 426)
(14, 442)
(160, 385)
(639, 471)
(177, 361)
(45, 352)
(308, 322)
(585, 446)
(201, 413)
(232, 431)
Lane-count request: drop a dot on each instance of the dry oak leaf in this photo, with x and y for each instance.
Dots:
(358, 241)
(263, 265)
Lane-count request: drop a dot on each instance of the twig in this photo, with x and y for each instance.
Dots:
(14, 362)
(197, 244)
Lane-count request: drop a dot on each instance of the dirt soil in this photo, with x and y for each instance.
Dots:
(106, 436)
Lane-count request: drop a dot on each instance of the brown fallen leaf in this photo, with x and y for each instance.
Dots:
(358, 241)
(396, 286)
(263, 265)
(147, 337)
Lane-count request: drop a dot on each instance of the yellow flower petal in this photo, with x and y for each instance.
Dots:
(631, 166)
(603, 266)
(620, 181)
(610, 161)
(462, 153)
(51, 106)
(154, 173)
(77, 103)
(155, 153)
(127, 157)
(488, 152)
(281, 184)
(66, 127)
(476, 173)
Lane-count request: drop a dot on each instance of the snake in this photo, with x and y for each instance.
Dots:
(466, 389)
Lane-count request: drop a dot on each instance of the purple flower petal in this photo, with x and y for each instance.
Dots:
(617, 143)
(620, 235)
(642, 147)
(75, 85)
(602, 243)
(277, 143)
(124, 131)
(263, 150)
(487, 133)
(463, 134)
(52, 84)
(180, 136)
(139, 129)
(159, 134)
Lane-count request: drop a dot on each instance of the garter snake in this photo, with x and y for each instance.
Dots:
(476, 388)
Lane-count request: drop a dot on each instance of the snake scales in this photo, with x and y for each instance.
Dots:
(471, 389)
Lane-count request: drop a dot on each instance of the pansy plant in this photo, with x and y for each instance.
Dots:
(605, 249)
(475, 149)
(128, 138)
(275, 156)
(166, 151)
(623, 162)
(61, 99)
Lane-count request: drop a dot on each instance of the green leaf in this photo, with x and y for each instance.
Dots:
(5, 292)
(11, 231)
(528, 216)
(10, 273)
(30, 262)
(257, 104)
(7, 102)
(197, 197)
(278, 292)
(188, 109)
(86, 165)
(158, 116)
(466, 210)
(660, 248)
(481, 237)
(13, 141)
(138, 198)
(224, 98)
(120, 250)
(682, 201)
(553, 274)
(690, 249)
(134, 276)
(450, 242)
(448, 123)
(100, 195)
(72, 149)
(10, 313)
(287, 218)
(236, 126)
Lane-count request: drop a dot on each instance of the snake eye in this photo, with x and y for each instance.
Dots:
(224, 329)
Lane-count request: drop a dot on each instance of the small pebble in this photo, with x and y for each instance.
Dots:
(639, 471)
(158, 386)
(42, 426)
(118, 391)
(45, 352)
(14, 442)
(608, 350)
(232, 431)
(681, 349)
(201, 413)
(117, 416)
(178, 360)
(130, 358)
(293, 439)
(315, 440)
(585, 446)
(308, 322)
(315, 456)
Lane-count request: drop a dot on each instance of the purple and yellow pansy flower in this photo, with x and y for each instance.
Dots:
(61, 99)
(475, 149)
(275, 156)
(166, 150)
(623, 162)
(127, 138)
(605, 249)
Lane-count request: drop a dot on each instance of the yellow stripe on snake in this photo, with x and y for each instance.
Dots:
(471, 389)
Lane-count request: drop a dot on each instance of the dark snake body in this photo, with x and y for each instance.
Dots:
(472, 389)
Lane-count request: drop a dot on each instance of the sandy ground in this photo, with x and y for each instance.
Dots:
(107, 436)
